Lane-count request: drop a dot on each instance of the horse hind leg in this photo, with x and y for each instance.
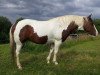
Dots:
(18, 48)
(51, 50)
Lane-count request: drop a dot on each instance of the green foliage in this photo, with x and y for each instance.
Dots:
(97, 23)
(5, 25)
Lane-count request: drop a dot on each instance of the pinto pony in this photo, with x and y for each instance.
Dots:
(53, 31)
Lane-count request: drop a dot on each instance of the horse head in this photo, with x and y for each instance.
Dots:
(89, 26)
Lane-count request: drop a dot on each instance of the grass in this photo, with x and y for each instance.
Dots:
(76, 57)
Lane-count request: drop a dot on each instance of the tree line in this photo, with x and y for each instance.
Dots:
(5, 25)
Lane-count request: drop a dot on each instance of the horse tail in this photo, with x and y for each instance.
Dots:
(12, 44)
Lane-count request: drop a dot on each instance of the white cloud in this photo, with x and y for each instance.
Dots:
(9, 5)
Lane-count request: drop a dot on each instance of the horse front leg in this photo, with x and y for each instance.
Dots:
(18, 48)
(56, 48)
(51, 50)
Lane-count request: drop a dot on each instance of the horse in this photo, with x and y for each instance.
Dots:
(53, 31)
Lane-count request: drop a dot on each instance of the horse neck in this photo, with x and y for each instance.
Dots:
(66, 20)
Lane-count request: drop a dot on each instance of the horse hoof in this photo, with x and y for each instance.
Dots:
(48, 62)
(55, 62)
(20, 68)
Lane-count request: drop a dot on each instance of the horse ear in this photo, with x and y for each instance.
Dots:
(90, 16)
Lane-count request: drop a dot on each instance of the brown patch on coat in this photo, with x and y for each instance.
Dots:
(89, 26)
(27, 33)
(70, 29)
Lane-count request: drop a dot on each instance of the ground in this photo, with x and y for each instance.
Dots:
(75, 57)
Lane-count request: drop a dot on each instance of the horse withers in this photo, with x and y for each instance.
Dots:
(53, 31)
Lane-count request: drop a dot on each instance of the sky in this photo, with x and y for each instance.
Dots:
(47, 9)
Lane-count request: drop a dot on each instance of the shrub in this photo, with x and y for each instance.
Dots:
(5, 25)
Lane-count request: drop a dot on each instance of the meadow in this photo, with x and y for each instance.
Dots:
(79, 56)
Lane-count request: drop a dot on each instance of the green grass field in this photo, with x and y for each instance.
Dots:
(75, 57)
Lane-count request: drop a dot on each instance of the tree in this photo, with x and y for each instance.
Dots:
(5, 25)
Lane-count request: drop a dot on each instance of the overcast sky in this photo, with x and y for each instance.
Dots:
(46, 9)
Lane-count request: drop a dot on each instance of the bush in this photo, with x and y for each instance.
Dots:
(5, 25)
(97, 23)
